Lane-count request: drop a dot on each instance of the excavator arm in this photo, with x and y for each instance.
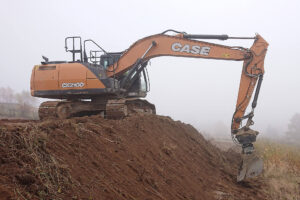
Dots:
(185, 45)
(182, 46)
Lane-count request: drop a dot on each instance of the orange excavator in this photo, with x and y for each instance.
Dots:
(112, 83)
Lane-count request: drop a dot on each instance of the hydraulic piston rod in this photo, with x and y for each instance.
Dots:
(215, 37)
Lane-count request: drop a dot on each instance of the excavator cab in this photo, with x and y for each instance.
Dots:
(132, 83)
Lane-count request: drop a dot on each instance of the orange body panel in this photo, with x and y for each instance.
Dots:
(32, 81)
(60, 75)
(45, 79)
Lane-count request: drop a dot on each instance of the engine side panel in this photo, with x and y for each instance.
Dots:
(65, 80)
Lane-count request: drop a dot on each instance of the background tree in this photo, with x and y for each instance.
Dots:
(24, 98)
(17, 105)
(272, 132)
(7, 95)
(293, 132)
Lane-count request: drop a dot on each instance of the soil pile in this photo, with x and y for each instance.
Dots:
(140, 157)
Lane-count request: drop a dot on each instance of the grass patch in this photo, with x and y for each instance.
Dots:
(281, 169)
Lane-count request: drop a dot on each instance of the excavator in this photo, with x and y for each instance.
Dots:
(112, 84)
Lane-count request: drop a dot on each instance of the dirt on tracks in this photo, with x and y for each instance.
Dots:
(145, 157)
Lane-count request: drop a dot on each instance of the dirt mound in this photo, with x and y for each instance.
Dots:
(140, 157)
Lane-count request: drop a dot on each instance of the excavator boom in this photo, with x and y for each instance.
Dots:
(181, 46)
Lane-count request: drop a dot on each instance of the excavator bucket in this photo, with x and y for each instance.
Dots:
(250, 167)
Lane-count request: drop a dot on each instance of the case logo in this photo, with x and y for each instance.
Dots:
(195, 49)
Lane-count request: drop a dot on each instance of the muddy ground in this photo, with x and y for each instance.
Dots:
(140, 157)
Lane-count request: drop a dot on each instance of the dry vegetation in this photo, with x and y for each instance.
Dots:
(282, 169)
(36, 174)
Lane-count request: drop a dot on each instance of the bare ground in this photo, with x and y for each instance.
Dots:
(140, 157)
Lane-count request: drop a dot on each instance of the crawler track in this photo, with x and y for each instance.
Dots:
(48, 109)
(111, 109)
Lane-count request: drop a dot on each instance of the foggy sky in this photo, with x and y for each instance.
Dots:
(196, 91)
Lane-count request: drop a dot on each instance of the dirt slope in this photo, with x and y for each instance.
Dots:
(140, 157)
